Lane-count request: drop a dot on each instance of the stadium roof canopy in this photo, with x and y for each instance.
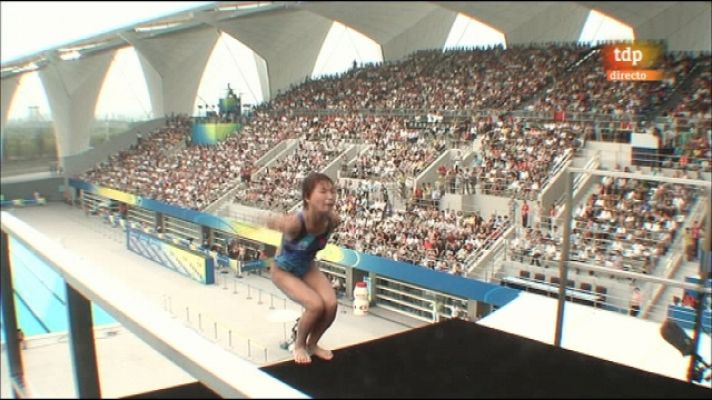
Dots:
(174, 50)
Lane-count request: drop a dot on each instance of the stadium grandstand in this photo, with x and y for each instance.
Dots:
(510, 191)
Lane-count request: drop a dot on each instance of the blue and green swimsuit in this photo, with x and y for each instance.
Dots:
(297, 254)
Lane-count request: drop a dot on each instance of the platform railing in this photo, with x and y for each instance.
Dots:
(224, 373)
(565, 263)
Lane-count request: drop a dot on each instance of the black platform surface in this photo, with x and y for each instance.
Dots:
(455, 358)
(195, 390)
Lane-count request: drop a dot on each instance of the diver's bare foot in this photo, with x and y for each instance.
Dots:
(301, 356)
(324, 354)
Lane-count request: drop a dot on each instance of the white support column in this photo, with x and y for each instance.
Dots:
(7, 90)
(289, 42)
(72, 89)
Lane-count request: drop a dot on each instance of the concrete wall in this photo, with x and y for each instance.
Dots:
(554, 189)
(290, 146)
(281, 146)
(332, 170)
(611, 153)
(48, 188)
(430, 174)
(74, 165)
(485, 204)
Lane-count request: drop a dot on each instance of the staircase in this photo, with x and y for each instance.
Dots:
(280, 151)
(659, 305)
(659, 310)
(394, 196)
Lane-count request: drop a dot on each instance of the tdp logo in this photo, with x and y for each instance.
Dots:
(628, 55)
(633, 61)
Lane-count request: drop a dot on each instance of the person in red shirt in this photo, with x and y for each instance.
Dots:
(418, 193)
(427, 244)
(442, 170)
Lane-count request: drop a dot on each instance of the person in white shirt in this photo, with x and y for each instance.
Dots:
(550, 253)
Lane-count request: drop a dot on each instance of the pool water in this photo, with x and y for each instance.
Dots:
(40, 295)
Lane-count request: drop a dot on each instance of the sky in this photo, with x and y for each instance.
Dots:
(27, 27)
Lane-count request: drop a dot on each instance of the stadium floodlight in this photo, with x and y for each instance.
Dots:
(70, 55)
(156, 27)
(243, 6)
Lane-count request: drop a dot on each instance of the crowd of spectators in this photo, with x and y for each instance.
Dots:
(442, 240)
(278, 187)
(394, 150)
(516, 157)
(439, 80)
(697, 100)
(397, 152)
(587, 89)
(190, 176)
(134, 170)
(630, 223)
(516, 160)
(195, 175)
(690, 130)
(537, 245)
(625, 224)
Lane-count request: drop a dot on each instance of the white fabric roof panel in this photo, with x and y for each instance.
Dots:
(430, 32)
(525, 22)
(560, 22)
(8, 88)
(504, 16)
(381, 21)
(399, 27)
(684, 28)
(684, 25)
(177, 63)
(288, 40)
(262, 75)
(154, 83)
(632, 13)
(72, 91)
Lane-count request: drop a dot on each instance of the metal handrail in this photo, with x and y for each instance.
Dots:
(223, 372)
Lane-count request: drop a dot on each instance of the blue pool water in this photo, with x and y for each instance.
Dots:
(40, 295)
